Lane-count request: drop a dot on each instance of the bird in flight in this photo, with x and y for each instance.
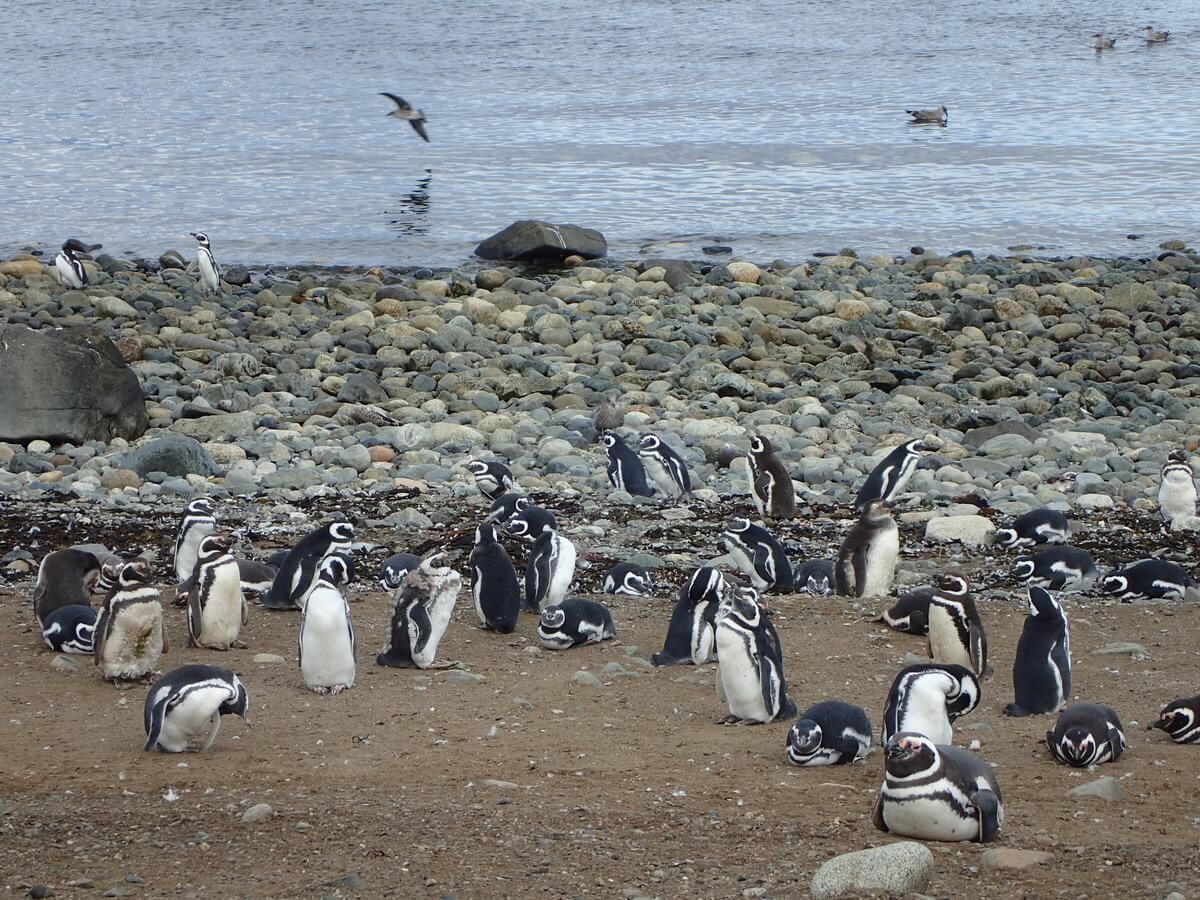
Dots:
(414, 117)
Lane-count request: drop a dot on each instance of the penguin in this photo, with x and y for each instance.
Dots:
(394, 568)
(216, 606)
(573, 622)
(691, 633)
(327, 649)
(828, 734)
(1086, 734)
(1180, 719)
(627, 578)
(758, 555)
(529, 522)
(750, 678)
(494, 479)
(1148, 579)
(666, 468)
(549, 571)
(771, 486)
(1057, 569)
(910, 612)
(816, 577)
(256, 577)
(69, 266)
(300, 571)
(65, 578)
(131, 636)
(505, 507)
(1038, 526)
(210, 272)
(187, 703)
(494, 582)
(198, 523)
(1042, 666)
(956, 633)
(424, 604)
(625, 469)
(937, 793)
(866, 562)
(70, 629)
(891, 476)
(1177, 490)
(927, 698)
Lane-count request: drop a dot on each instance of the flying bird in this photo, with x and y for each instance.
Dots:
(939, 116)
(414, 117)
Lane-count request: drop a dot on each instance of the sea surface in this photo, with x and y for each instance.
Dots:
(773, 126)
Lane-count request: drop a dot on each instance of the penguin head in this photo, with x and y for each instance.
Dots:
(201, 506)
(1114, 584)
(1177, 456)
(966, 694)
(917, 446)
(133, 574)
(908, 753)
(1042, 603)
(1005, 537)
(759, 445)
(744, 602)
(477, 467)
(201, 238)
(212, 547)
(1175, 718)
(609, 439)
(877, 512)
(485, 534)
(953, 585)
(737, 525)
(341, 531)
(804, 739)
(1077, 746)
(650, 442)
(818, 584)
(71, 246)
(110, 568)
(337, 569)
(1022, 567)
(240, 703)
(552, 618)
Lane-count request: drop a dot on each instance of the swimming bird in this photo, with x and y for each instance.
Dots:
(1155, 37)
(71, 272)
(414, 117)
(1103, 43)
(210, 271)
(939, 116)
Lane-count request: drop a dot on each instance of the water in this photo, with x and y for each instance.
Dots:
(772, 125)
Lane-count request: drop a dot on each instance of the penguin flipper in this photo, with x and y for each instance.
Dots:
(918, 622)
(877, 814)
(859, 562)
(158, 712)
(1116, 742)
(1052, 746)
(978, 640)
(987, 807)
(103, 627)
(195, 617)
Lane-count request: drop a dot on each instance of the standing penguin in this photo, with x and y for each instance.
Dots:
(937, 793)
(866, 562)
(1057, 569)
(505, 507)
(1180, 719)
(758, 555)
(750, 662)
(328, 653)
(771, 486)
(1177, 491)
(1148, 579)
(65, 578)
(625, 469)
(187, 703)
(69, 266)
(910, 612)
(494, 582)
(691, 633)
(549, 571)
(1086, 734)
(210, 272)
(300, 570)
(927, 698)
(627, 578)
(573, 622)
(198, 523)
(494, 479)
(956, 633)
(816, 577)
(829, 734)
(420, 615)
(216, 609)
(1038, 526)
(1042, 667)
(666, 468)
(131, 636)
(529, 522)
(891, 476)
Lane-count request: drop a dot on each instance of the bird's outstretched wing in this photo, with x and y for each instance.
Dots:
(419, 127)
(399, 101)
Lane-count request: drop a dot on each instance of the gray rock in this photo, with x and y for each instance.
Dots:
(1012, 858)
(972, 531)
(64, 664)
(362, 387)
(268, 658)
(1122, 648)
(977, 437)
(175, 454)
(219, 427)
(585, 677)
(259, 812)
(1105, 787)
(899, 868)
(530, 239)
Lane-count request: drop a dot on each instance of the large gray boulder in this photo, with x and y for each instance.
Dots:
(175, 454)
(66, 385)
(531, 239)
(900, 868)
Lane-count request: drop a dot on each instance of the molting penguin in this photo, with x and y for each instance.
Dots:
(750, 677)
(130, 634)
(1177, 491)
(529, 522)
(627, 578)
(328, 652)
(494, 582)
(573, 622)
(421, 613)
(771, 485)
(1180, 719)
(956, 633)
(505, 507)
(891, 476)
(187, 703)
(1038, 526)
(549, 571)
(666, 468)
(625, 469)
(210, 271)
(198, 522)
(828, 734)
(816, 577)
(1042, 667)
(927, 698)
(216, 606)
(494, 479)
(910, 612)
(866, 562)
(70, 629)
(300, 571)
(69, 266)
(937, 793)
(758, 555)
(1148, 579)
(65, 578)
(1086, 734)
(1057, 569)
(691, 633)
(394, 568)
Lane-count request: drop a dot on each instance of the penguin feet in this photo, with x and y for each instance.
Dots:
(443, 664)
(336, 689)
(1015, 709)
(730, 719)
(239, 645)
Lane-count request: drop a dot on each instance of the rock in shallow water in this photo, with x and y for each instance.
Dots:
(899, 868)
(530, 239)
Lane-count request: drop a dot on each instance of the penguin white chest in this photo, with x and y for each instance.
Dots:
(945, 645)
(221, 617)
(196, 714)
(738, 674)
(326, 641)
(923, 815)
(562, 570)
(659, 476)
(135, 642)
(882, 553)
(925, 713)
(703, 638)
(189, 548)
(1177, 494)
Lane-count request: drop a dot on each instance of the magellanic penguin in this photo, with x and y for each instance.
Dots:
(505, 507)
(574, 621)
(866, 562)
(131, 636)
(216, 609)
(1042, 666)
(494, 479)
(187, 703)
(1180, 719)
(1086, 734)
(424, 604)
(956, 632)
(758, 555)
(394, 568)
(891, 476)
(1061, 568)
(937, 793)
(691, 633)
(70, 629)
(1148, 579)
(328, 651)
(494, 584)
(828, 734)
(1177, 491)
(198, 523)
(549, 572)
(771, 486)
(627, 578)
(625, 470)
(529, 522)
(910, 612)
(210, 272)
(1038, 526)
(750, 677)
(300, 571)
(666, 468)
(927, 698)
(68, 265)
(816, 577)
(65, 578)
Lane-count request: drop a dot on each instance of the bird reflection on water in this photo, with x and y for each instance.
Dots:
(412, 216)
